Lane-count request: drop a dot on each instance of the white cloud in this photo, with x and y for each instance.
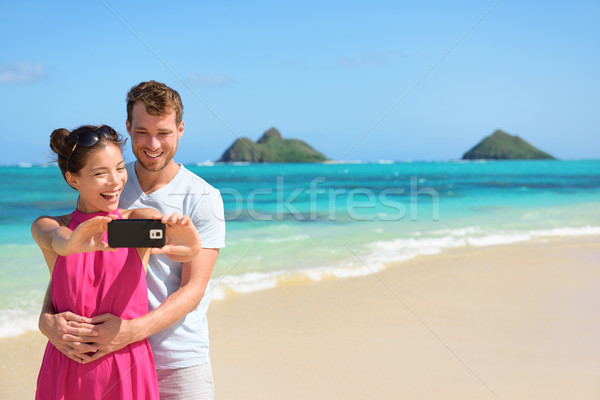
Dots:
(21, 72)
(209, 80)
(370, 59)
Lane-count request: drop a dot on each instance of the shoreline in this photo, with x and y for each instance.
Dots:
(515, 321)
(230, 286)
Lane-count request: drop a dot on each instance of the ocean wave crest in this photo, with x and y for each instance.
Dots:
(17, 322)
(374, 256)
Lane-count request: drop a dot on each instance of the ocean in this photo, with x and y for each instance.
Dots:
(293, 223)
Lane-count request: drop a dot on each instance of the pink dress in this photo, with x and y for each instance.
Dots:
(90, 284)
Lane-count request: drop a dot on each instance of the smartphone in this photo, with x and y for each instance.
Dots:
(136, 233)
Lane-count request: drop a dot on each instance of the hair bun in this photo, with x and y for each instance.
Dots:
(57, 138)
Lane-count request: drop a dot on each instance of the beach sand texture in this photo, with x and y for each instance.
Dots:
(519, 321)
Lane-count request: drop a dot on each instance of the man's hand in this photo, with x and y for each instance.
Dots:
(113, 332)
(183, 241)
(70, 333)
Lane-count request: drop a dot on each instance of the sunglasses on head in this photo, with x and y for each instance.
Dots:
(89, 138)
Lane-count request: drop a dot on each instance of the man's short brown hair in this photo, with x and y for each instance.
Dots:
(158, 98)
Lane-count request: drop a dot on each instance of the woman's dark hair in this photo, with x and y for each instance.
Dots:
(73, 148)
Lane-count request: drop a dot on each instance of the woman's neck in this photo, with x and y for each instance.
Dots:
(85, 208)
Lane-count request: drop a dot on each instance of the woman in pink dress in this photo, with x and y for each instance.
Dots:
(90, 278)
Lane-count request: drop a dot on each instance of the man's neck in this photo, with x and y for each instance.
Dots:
(151, 181)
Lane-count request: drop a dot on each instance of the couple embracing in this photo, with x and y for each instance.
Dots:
(129, 323)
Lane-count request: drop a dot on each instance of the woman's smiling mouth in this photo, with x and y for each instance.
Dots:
(111, 196)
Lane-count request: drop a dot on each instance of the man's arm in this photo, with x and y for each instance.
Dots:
(66, 338)
(115, 333)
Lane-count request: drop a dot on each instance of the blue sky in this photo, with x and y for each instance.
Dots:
(371, 80)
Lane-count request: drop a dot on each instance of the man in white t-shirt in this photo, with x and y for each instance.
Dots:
(176, 323)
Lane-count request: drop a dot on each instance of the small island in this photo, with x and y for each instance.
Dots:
(502, 146)
(271, 147)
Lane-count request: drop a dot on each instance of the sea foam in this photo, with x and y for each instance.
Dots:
(374, 256)
(17, 322)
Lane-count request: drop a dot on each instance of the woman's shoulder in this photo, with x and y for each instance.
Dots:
(42, 227)
(138, 213)
(61, 220)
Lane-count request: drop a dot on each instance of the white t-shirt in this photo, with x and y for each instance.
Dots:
(185, 343)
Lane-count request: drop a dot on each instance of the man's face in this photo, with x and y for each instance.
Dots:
(153, 138)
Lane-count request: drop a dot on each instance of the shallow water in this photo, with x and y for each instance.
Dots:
(298, 222)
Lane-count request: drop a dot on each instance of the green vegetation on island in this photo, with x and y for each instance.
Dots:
(271, 147)
(502, 146)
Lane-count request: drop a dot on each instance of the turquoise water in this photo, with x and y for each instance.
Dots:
(292, 223)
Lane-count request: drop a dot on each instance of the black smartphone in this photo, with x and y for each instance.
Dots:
(136, 233)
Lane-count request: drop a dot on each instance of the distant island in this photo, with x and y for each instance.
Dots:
(502, 146)
(271, 147)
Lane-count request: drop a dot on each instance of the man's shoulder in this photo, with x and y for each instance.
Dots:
(187, 178)
(130, 166)
(131, 191)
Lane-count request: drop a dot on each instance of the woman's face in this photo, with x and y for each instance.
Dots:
(101, 180)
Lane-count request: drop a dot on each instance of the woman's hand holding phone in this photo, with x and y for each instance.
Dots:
(86, 237)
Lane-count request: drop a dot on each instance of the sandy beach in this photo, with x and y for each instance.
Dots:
(520, 321)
